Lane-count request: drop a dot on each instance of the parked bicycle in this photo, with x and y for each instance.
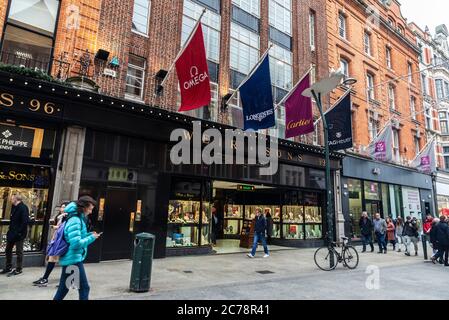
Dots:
(327, 258)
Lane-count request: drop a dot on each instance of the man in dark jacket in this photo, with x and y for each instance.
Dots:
(215, 226)
(18, 230)
(442, 235)
(366, 230)
(260, 228)
(411, 235)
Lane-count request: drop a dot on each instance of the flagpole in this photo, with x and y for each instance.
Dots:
(334, 105)
(183, 48)
(294, 88)
(252, 72)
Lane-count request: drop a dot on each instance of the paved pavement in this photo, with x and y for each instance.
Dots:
(234, 276)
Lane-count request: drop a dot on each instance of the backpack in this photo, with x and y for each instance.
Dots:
(58, 246)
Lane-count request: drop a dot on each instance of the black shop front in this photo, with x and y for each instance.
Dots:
(126, 166)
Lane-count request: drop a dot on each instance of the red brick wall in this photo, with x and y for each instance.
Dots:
(353, 51)
(3, 7)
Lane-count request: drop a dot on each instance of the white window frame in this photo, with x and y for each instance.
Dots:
(285, 7)
(238, 42)
(342, 26)
(370, 86)
(388, 58)
(148, 20)
(250, 6)
(211, 23)
(396, 146)
(312, 29)
(392, 97)
(130, 96)
(281, 57)
(367, 43)
(344, 66)
(413, 107)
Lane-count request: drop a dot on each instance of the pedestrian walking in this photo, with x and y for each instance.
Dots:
(434, 242)
(391, 232)
(17, 233)
(380, 229)
(399, 232)
(269, 225)
(78, 238)
(442, 235)
(260, 228)
(411, 235)
(52, 259)
(366, 230)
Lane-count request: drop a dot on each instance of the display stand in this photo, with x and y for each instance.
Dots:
(247, 234)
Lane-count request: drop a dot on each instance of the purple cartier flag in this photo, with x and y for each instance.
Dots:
(381, 147)
(298, 111)
(426, 160)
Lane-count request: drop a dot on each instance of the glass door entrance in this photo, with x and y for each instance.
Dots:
(373, 207)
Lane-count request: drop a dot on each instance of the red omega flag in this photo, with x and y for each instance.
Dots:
(193, 73)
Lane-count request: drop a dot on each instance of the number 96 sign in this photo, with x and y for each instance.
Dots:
(11, 102)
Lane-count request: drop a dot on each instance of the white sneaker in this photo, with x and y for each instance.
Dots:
(266, 256)
(250, 255)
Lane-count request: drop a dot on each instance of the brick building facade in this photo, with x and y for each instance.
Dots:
(376, 46)
(86, 26)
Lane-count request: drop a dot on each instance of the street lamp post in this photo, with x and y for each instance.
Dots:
(317, 91)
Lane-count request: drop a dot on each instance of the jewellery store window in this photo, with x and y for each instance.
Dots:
(189, 215)
(32, 183)
(302, 216)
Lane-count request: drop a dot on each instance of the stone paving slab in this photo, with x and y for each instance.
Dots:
(235, 276)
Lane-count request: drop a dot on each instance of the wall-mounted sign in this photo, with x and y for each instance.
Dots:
(22, 141)
(13, 102)
(122, 175)
(110, 73)
(24, 176)
(139, 211)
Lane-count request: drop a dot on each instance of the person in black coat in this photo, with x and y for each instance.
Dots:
(442, 236)
(366, 229)
(260, 228)
(18, 230)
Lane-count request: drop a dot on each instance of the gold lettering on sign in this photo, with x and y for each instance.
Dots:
(6, 100)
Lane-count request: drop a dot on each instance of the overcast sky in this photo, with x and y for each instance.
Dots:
(426, 12)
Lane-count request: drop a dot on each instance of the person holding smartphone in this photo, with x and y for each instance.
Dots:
(79, 239)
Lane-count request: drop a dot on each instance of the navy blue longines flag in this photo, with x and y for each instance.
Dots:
(339, 120)
(257, 99)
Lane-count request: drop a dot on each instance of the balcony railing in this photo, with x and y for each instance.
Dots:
(61, 68)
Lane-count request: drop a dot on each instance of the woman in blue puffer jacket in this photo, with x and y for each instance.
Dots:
(78, 238)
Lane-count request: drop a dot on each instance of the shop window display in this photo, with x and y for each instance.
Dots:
(183, 223)
(36, 201)
(233, 218)
(355, 205)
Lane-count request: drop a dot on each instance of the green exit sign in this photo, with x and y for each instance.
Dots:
(244, 187)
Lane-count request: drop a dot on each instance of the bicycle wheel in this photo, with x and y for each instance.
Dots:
(326, 259)
(350, 258)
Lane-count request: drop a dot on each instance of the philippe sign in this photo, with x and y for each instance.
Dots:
(12, 102)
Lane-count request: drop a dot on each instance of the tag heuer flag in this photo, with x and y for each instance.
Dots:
(339, 121)
(381, 148)
(193, 74)
(426, 161)
(298, 111)
(257, 99)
